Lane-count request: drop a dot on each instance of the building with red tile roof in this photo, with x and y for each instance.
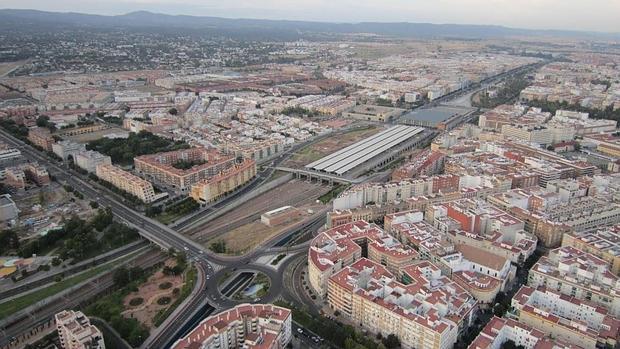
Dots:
(340, 246)
(427, 310)
(501, 330)
(251, 326)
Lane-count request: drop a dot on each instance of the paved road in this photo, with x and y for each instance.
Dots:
(214, 265)
(88, 291)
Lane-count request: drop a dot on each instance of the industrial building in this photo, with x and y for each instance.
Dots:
(375, 151)
(443, 117)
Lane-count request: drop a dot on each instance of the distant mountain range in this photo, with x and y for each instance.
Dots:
(32, 20)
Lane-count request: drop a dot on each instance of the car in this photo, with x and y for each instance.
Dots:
(315, 339)
(200, 251)
(300, 330)
(185, 248)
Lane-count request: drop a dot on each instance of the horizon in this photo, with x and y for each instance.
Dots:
(533, 16)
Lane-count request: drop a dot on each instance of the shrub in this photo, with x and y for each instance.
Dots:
(163, 301)
(165, 285)
(136, 301)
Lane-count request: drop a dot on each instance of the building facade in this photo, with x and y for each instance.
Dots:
(258, 326)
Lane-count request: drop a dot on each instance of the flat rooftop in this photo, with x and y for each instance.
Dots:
(354, 155)
(435, 115)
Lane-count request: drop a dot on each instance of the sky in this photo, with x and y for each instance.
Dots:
(586, 15)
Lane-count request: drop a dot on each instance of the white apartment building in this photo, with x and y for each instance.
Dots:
(578, 274)
(90, 159)
(76, 332)
(66, 148)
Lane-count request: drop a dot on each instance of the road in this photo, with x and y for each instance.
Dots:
(162, 235)
(30, 285)
(72, 300)
(212, 265)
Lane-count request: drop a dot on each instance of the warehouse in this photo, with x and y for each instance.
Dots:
(372, 152)
(442, 117)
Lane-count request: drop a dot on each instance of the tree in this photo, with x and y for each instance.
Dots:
(8, 241)
(218, 246)
(509, 344)
(173, 111)
(103, 218)
(391, 342)
(121, 277)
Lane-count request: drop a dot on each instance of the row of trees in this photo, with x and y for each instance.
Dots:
(341, 336)
(509, 91)
(180, 208)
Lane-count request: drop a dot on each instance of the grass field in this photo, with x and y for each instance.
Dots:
(17, 304)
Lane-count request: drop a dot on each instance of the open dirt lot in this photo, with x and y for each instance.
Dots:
(293, 193)
(329, 145)
(249, 236)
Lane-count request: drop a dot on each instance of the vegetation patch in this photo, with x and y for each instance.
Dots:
(134, 302)
(173, 211)
(164, 300)
(17, 304)
(122, 151)
(187, 164)
(332, 194)
(165, 285)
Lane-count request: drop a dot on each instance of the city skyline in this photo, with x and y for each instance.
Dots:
(540, 15)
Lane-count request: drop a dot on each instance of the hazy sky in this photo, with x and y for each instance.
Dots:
(594, 15)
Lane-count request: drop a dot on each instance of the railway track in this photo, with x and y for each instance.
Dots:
(75, 299)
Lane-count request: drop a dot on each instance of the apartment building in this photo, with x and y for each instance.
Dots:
(15, 177)
(501, 330)
(76, 332)
(427, 163)
(578, 274)
(18, 176)
(225, 182)
(127, 182)
(550, 213)
(256, 150)
(7, 153)
(89, 160)
(65, 148)
(248, 326)
(480, 272)
(41, 137)
(340, 246)
(428, 311)
(8, 208)
(36, 173)
(197, 164)
(544, 135)
(603, 243)
(575, 321)
(475, 222)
